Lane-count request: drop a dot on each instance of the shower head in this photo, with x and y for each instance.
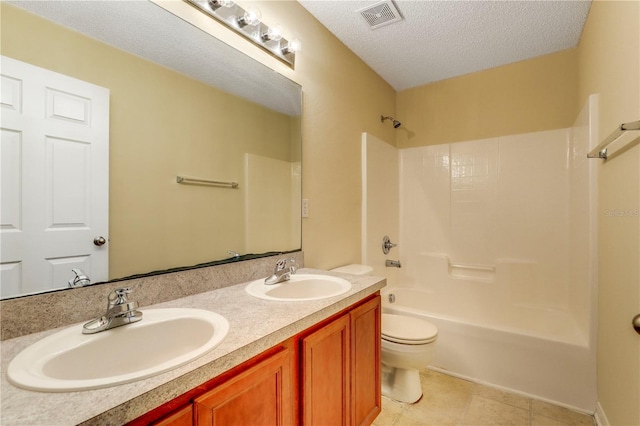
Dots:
(395, 122)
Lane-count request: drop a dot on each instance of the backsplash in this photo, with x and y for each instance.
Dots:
(31, 314)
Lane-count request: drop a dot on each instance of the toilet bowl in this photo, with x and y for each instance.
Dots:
(408, 346)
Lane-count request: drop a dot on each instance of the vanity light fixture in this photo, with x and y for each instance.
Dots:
(273, 33)
(292, 47)
(251, 17)
(247, 22)
(217, 4)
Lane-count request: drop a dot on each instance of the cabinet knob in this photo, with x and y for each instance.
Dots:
(636, 323)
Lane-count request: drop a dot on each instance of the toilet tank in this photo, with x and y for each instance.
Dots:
(354, 269)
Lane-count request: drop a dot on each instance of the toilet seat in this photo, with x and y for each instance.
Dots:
(407, 330)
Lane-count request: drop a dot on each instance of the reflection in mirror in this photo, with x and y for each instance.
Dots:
(181, 103)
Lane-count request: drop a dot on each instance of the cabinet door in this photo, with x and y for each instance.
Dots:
(325, 372)
(261, 395)
(181, 417)
(365, 362)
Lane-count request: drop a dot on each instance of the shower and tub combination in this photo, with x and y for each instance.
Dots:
(497, 242)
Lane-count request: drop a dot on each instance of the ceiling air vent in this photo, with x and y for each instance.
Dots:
(380, 14)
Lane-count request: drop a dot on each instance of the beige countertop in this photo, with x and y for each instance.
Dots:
(254, 326)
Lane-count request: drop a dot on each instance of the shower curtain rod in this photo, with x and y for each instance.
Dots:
(601, 150)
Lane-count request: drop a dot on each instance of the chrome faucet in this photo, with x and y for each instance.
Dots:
(281, 272)
(119, 312)
(80, 280)
(392, 263)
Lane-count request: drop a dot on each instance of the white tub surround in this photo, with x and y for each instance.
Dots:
(497, 242)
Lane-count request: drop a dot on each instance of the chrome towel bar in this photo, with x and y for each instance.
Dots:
(601, 150)
(197, 181)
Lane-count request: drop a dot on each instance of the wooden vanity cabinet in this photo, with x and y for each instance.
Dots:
(181, 417)
(259, 391)
(261, 395)
(340, 369)
(327, 375)
(366, 339)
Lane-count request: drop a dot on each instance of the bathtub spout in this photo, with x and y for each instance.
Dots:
(392, 264)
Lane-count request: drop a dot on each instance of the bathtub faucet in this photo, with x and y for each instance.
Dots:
(392, 264)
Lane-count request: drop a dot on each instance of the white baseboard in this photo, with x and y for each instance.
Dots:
(601, 418)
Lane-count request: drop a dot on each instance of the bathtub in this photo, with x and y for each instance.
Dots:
(535, 353)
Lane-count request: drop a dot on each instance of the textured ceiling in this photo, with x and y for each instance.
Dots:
(443, 39)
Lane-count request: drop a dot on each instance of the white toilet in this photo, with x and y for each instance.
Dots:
(408, 346)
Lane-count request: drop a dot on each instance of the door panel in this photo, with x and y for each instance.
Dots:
(326, 375)
(68, 172)
(55, 165)
(262, 395)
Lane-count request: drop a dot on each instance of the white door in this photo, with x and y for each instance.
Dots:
(55, 179)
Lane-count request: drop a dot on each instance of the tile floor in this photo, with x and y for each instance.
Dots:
(448, 400)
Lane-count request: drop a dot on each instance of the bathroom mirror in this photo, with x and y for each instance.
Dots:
(182, 103)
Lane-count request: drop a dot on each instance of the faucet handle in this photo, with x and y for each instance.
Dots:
(119, 296)
(282, 263)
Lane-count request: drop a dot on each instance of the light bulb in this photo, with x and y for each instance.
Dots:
(273, 33)
(294, 46)
(217, 4)
(251, 17)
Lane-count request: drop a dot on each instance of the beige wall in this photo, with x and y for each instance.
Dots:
(523, 97)
(342, 97)
(162, 124)
(609, 64)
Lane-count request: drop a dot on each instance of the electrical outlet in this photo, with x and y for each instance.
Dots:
(305, 207)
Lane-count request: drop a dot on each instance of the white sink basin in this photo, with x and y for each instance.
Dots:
(164, 339)
(300, 287)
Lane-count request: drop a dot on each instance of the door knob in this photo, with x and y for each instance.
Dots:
(636, 323)
(99, 241)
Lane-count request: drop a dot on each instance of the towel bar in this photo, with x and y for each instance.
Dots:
(601, 150)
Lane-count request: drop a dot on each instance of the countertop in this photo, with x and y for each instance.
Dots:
(254, 326)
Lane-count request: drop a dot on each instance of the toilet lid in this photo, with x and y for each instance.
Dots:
(409, 330)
